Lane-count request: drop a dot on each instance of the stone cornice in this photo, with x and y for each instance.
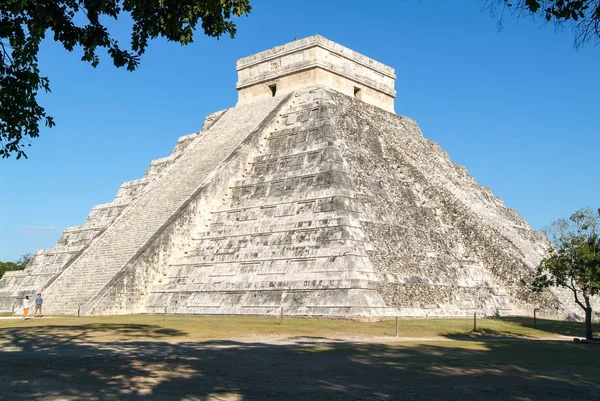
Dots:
(315, 41)
(272, 75)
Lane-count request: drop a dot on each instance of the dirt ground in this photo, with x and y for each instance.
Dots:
(46, 363)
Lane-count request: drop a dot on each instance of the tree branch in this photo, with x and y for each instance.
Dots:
(574, 289)
(5, 52)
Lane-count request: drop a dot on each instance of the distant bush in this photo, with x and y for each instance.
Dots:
(20, 264)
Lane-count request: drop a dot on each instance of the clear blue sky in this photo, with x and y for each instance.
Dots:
(519, 108)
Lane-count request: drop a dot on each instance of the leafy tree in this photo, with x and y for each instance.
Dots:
(20, 264)
(574, 260)
(582, 16)
(7, 267)
(80, 24)
(23, 261)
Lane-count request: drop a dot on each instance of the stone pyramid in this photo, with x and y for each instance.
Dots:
(310, 195)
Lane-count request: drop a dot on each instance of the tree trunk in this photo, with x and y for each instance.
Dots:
(589, 334)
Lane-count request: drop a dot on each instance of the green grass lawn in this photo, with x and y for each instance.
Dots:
(183, 328)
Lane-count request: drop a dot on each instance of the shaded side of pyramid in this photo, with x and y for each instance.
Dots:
(441, 244)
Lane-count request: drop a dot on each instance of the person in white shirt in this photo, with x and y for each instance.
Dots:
(26, 303)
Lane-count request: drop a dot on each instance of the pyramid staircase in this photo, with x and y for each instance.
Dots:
(47, 264)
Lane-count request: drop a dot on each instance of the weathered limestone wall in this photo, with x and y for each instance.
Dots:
(315, 61)
(284, 235)
(442, 244)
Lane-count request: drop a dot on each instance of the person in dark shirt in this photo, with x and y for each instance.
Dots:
(38, 305)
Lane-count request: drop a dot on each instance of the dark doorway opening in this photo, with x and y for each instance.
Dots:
(273, 89)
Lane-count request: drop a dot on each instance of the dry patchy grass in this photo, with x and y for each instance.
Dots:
(202, 328)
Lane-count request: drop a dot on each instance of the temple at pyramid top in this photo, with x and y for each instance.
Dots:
(315, 61)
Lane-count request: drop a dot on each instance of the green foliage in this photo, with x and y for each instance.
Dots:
(574, 259)
(7, 267)
(78, 24)
(24, 260)
(20, 264)
(582, 16)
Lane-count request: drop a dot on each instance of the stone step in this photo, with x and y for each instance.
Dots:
(292, 252)
(283, 236)
(258, 230)
(314, 283)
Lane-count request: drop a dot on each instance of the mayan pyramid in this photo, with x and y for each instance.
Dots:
(309, 195)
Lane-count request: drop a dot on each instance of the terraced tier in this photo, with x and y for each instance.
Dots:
(140, 222)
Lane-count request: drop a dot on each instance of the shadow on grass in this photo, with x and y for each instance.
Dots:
(483, 334)
(46, 363)
(576, 329)
(564, 328)
(85, 332)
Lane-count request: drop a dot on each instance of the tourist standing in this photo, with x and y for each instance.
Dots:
(25, 306)
(38, 305)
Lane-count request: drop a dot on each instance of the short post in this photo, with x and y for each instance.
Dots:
(281, 315)
(165, 315)
(534, 319)
(78, 310)
(396, 326)
(475, 321)
(12, 308)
